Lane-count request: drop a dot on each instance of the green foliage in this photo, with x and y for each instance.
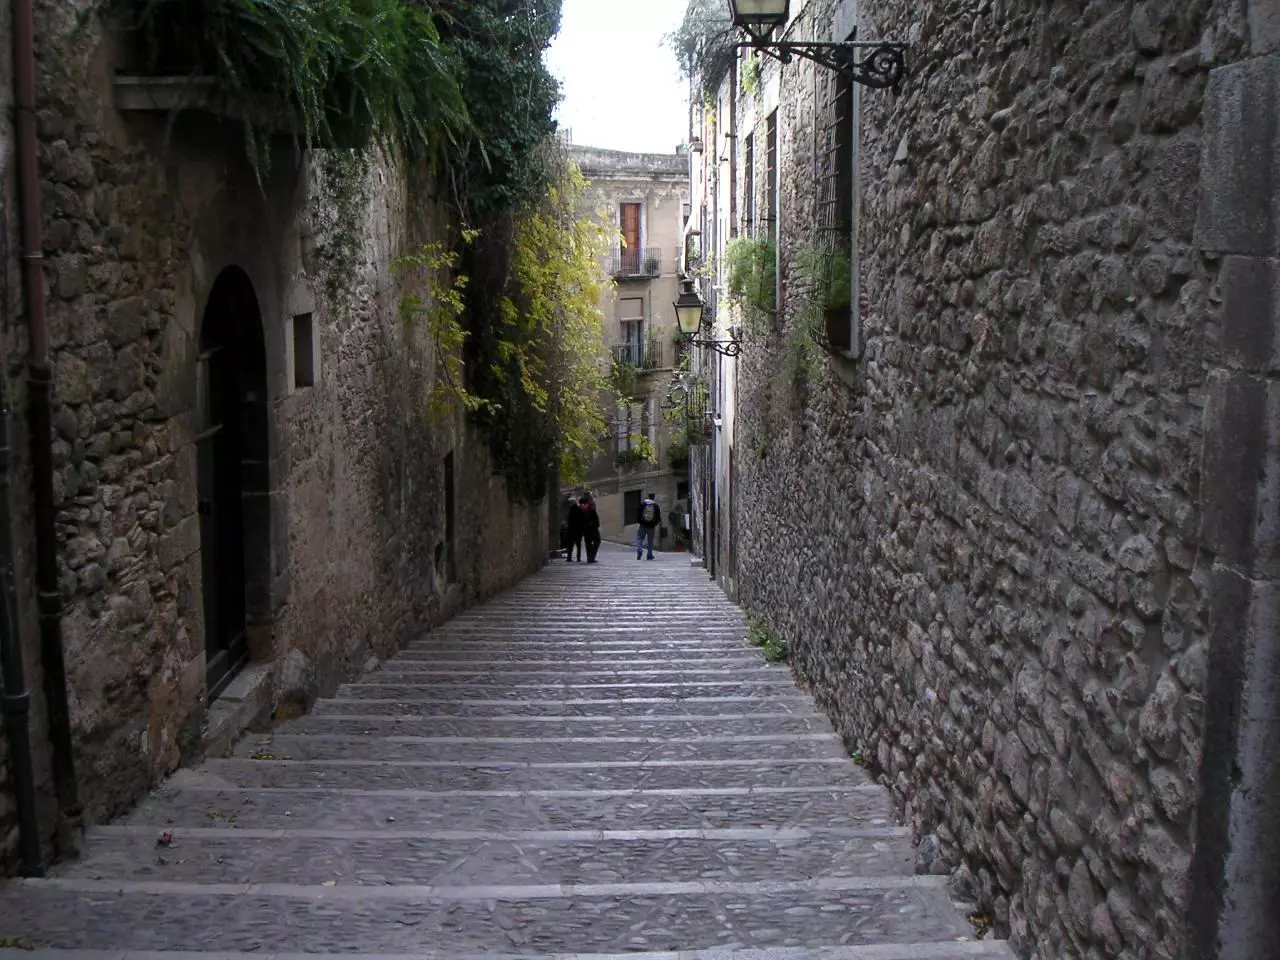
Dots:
(804, 344)
(825, 274)
(335, 72)
(678, 453)
(538, 359)
(751, 277)
(624, 380)
(775, 648)
(500, 166)
(642, 451)
(435, 269)
(751, 74)
(703, 43)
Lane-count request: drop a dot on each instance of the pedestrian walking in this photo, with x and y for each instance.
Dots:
(590, 526)
(647, 520)
(566, 519)
(577, 529)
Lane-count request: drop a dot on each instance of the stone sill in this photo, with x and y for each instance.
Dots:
(245, 704)
(136, 94)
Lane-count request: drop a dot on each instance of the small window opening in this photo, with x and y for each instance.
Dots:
(304, 365)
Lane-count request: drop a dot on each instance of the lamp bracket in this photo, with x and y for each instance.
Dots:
(726, 348)
(882, 67)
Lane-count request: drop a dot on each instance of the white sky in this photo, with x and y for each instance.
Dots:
(622, 88)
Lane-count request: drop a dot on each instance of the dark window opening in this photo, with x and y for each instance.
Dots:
(304, 369)
(837, 212)
(749, 184)
(682, 490)
(631, 506)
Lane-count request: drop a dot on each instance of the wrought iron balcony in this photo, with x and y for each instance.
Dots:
(648, 355)
(638, 263)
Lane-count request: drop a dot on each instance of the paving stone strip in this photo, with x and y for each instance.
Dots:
(596, 765)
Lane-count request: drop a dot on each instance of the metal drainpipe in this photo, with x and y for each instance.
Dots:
(15, 703)
(52, 660)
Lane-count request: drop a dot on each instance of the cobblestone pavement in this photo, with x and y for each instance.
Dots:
(595, 763)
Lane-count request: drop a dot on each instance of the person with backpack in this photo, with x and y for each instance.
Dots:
(590, 526)
(648, 518)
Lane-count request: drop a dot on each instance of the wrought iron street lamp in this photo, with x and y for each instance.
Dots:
(882, 65)
(689, 316)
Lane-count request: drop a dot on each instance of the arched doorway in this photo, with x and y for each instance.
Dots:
(231, 462)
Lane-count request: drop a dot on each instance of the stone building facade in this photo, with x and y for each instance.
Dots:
(1018, 520)
(252, 502)
(643, 197)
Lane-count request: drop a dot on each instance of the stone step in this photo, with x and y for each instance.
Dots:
(428, 704)
(406, 671)
(228, 855)
(539, 749)
(466, 776)
(569, 691)
(401, 723)
(309, 917)
(193, 799)
(945, 950)
(520, 658)
(582, 640)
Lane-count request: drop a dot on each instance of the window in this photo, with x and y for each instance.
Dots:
(629, 224)
(631, 501)
(631, 318)
(304, 360)
(631, 420)
(838, 208)
(682, 490)
(749, 184)
(450, 523)
(771, 176)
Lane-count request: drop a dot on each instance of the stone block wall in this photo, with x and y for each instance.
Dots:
(346, 542)
(983, 533)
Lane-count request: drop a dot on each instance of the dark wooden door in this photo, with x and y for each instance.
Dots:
(221, 507)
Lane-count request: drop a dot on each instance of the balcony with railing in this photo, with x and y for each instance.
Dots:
(643, 355)
(638, 263)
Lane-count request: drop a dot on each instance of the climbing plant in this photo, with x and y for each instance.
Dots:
(751, 278)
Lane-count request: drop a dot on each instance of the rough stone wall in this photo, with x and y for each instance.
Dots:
(141, 217)
(982, 535)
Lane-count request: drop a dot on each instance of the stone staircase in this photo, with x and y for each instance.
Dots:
(594, 764)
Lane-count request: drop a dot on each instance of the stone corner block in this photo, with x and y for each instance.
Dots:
(1264, 27)
(1241, 519)
(1239, 208)
(1251, 313)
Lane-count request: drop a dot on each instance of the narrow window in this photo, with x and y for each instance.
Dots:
(631, 320)
(304, 361)
(450, 522)
(838, 214)
(749, 184)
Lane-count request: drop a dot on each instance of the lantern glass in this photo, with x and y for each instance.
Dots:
(767, 12)
(688, 310)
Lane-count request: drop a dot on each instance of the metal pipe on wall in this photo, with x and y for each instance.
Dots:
(52, 659)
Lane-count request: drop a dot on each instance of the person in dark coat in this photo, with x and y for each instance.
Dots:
(577, 528)
(590, 526)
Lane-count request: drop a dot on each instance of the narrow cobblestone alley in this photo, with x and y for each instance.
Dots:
(596, 762)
